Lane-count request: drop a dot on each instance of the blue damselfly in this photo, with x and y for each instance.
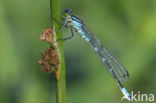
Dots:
(117, 70)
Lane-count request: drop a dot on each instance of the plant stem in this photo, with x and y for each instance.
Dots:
(60, 73)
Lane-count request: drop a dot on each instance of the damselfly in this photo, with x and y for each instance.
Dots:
(117, 70)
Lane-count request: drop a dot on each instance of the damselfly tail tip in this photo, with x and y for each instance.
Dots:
(126, 94)
(125, 97)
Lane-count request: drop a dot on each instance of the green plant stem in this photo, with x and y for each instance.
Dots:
(60, 73)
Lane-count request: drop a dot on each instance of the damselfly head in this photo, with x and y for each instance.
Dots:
(68, 11)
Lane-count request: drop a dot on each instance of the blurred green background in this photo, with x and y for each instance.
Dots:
(126, 27)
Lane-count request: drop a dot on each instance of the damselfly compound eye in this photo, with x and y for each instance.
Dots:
(67, 10)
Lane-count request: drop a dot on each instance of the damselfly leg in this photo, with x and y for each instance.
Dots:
(71, 32)
(64, 24)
